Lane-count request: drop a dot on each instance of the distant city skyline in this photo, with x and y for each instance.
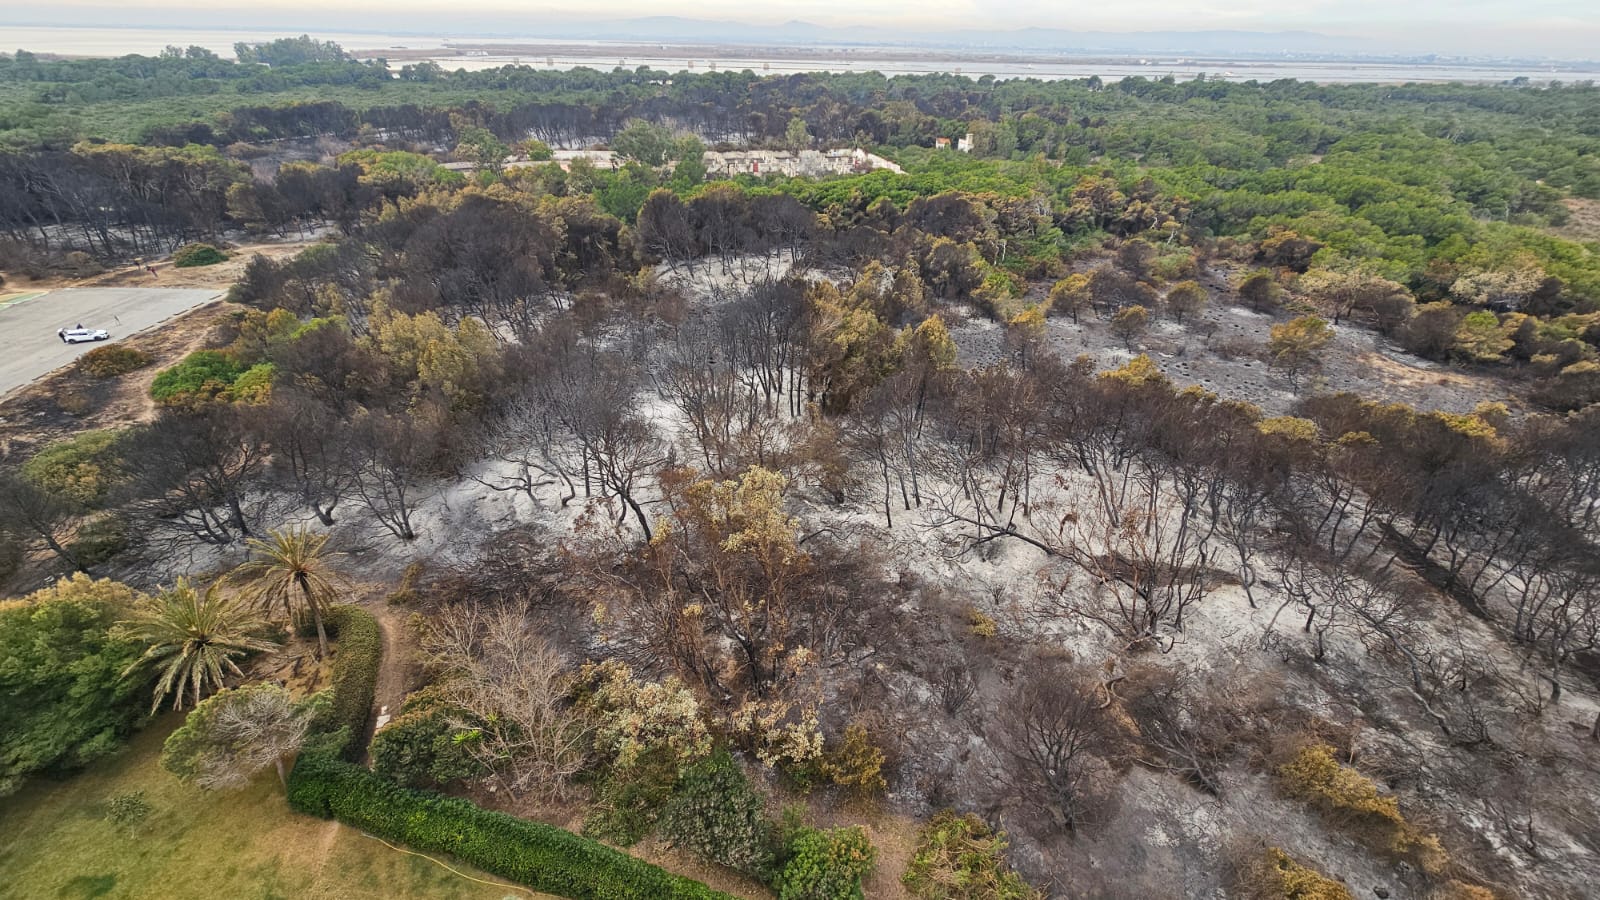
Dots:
(1553, 28)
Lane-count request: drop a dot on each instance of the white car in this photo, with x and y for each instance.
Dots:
(79, 335)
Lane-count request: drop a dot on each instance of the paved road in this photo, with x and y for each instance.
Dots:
(29, 347)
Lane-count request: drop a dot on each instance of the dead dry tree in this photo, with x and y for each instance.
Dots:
(1177, 723)
(1555, 603)
(733, 372)
(1335, 596)
(725, 596)
(700, 380)
(510, 686)
(1146, 569)
(956, 688)
(599, 439)
(1147, 500)
(255, 729)
(526, 438)
(1050, 734)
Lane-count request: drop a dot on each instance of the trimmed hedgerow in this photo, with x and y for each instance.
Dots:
(542, 857)
(355, 677)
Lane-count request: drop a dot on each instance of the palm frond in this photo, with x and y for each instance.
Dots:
(193, 637)
(290, 568)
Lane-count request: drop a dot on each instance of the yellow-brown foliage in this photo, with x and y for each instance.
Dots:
(856, 764)
(981, 624)
(1275, 875)
(1313, 775)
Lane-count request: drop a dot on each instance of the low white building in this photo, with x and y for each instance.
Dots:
(600, 159)
(806, 163)
(726, 164)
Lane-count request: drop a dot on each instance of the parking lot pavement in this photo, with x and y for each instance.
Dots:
(29, 347)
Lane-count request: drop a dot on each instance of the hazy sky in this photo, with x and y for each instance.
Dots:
(1556, 27)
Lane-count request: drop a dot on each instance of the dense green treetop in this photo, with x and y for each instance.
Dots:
(63, 699)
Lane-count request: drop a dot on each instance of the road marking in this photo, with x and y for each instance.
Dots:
(14, 299)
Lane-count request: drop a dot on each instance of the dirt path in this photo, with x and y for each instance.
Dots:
(397, 666)
(220, 276)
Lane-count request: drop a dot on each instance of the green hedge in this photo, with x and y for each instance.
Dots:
(543, 857)
(355, 677)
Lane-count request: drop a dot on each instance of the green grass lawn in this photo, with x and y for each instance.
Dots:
(55, 842)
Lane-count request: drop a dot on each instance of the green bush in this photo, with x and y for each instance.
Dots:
(718, 816)
(961, 858)
(826, 864)
(112, 360)
(192, 255)
(358, 651)
(81, 470)
(634, 717)
(254, 385)
(128, 810)
(200, 376)
(628, 801)
(542, 857)
(420, 747)
(63, 700)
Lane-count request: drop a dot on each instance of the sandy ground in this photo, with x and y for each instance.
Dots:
(1231, 364)
(31, 348)
(1585, 222)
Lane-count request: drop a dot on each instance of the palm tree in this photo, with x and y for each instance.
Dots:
(194, 636)
(292, 569)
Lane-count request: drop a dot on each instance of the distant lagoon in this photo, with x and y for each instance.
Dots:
(558, 54)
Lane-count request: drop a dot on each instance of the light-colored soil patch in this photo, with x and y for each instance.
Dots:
(1585, 222)
(397, 667)
(1231, 361)
(220, 276)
